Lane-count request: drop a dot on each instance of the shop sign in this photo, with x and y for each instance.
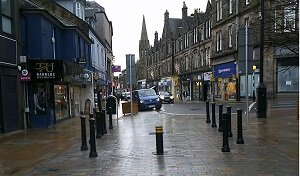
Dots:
(25, 75)
(197, 77)
(207, 76)
(81, 60)
(225, 70)
(116, 68)
(46, 69)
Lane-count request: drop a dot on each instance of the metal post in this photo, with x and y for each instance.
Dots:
(98, 123)
(104, 122)
(229, 121)
(213, 115)
(130, 83)
(225, 147)
(159, 140)
(261, 89)
(83, 134)
(246, 74)
(102, 115)
(240, 139)
(110, 118)
(207, 112)
(93, 152)
(220, 118)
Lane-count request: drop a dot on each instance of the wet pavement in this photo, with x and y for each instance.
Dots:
(192, 147)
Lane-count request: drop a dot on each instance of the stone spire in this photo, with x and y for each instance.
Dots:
(144, 35)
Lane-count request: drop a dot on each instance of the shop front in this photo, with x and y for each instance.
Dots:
(225, 81)
(196, 86)
(48, 95)
(165, 84)
(100, 87)
(176, 87)
(186, 89)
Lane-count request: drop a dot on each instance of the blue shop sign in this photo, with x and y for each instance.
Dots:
(225, 70)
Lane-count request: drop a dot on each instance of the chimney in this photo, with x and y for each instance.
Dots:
(184, 11)
(166, 16)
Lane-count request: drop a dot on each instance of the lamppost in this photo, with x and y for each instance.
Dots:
(253, 83)
(261, 89)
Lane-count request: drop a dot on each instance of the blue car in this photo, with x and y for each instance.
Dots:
(147, 99)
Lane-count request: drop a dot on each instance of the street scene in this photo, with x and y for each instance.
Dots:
(193, 87)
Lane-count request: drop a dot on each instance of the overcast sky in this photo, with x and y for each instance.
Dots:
(127, 18)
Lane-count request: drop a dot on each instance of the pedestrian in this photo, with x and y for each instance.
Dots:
(184, 95)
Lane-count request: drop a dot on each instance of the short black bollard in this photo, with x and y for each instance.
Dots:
(229, 121)
(83, 134)
(225, 147)
(220, 118)
(159, 140)
(240, 139)
(93, 152)
(104, 122)
(110, 118)
(207, 112)
(213, 114)
(102, 114)
(98, 124)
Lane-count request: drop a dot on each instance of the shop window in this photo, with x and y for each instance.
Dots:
(61, 101)
(219, 89)
(39, 98)
(288, 75)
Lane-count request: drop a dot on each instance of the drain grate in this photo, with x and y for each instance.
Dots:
(196, 109)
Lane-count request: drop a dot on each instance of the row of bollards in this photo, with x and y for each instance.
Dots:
(100, 130)
(225, 124)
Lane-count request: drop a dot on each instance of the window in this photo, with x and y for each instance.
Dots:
(186, 40)
(229, 36)
(247, 2)
(220, 35)
(202, 58)
(247, 21)
(218, 10)
(289, 20)
(202, 34)
(230, 6)
(6, 16)
(103, 56)
(207, 29)
(207, 55)
(217, 41)
(187, 63)
(221, 9)
(78, 9)
(195, 36)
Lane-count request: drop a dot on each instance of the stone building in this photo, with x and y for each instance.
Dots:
(198, 54)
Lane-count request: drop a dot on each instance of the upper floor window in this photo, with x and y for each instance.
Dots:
(202, 34)
(195, 36)
(229, 36)
(247, 21)
(247, 2)
(6, 16)
(230, 6)
(219, 7)
(187, 63)
(202, 58)
(219, 41)
(289, 20)
(207, 53)
(186, 40)
(207, 28)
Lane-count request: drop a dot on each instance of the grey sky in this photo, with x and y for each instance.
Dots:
(127, 17)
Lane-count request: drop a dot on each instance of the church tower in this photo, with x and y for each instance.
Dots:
(143, 53)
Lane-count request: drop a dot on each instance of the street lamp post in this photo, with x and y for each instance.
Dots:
(261, 89)
(253, 83)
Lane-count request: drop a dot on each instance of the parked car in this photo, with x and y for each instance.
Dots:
(165, 97)
(147, 99)
(125, 96)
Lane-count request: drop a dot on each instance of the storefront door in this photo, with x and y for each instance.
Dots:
(61, 101)
(77, 100)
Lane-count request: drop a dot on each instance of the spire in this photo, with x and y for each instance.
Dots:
(144, 35)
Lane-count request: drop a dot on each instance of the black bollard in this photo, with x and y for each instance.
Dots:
(229, 121)
(225, 147)
(159, 140)
(110, 118)
(83, 134)
(98, 124)
(104, 122)
(207, 112)
(240, 139)
(220, 118)
(93, 152)
(213, 114)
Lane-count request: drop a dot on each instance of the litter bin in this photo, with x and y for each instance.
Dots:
(111, 101)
